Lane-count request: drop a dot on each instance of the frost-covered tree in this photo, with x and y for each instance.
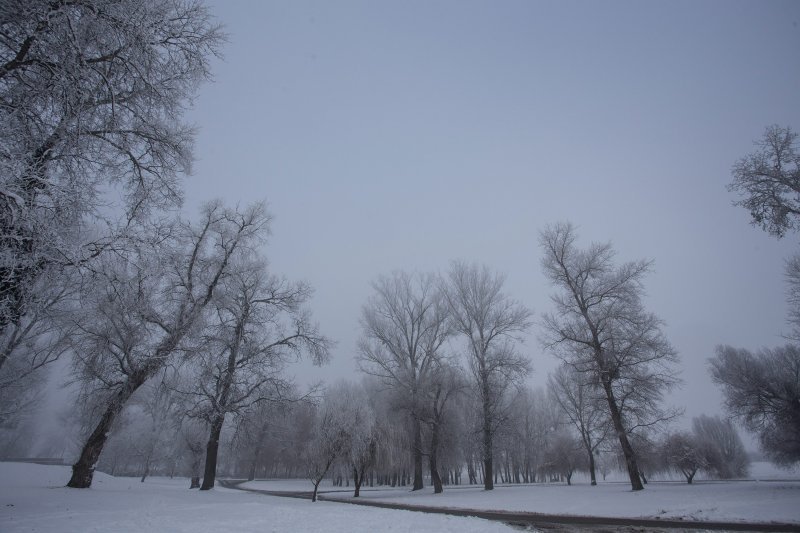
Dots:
(580, 400)
(256, 328)
(328, 442)
(768, 181)
(601, 328)
(359, 426)
(491, 324)
(92, 94)
(145, 304)
(720, 447)
(564, 454)
(762, 390)
(682, 454)
(445, 382)
(404, 327)
(37, 337)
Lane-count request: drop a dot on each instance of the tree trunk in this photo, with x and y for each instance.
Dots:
(432, 459)
(146, 471)
(591, 468)
(488, 478)
(417, 428)
(83, 469)
(195, 482)
(210, 473)
(314, 494)
(357, 480)
(627, 449)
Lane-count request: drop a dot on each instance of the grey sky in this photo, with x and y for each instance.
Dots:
(402, 135)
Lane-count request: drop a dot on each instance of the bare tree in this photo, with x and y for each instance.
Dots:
(564, 454)
(445, 382)
(359, 427)
(193, 433)
(91, 99)
(257, 327)
(681, 453)
(768, 182)
(793, 296)
(144, 307)
(580, 399)
(763, 391)
(720, 447)
(601, 329)
(404, 326)
(328, 443)
(491, 323)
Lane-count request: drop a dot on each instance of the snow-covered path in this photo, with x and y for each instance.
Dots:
(736, 501)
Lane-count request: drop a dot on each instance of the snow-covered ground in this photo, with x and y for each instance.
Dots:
(777, 500)
(33, 499)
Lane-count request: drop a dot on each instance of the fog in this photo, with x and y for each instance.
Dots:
(405, 136)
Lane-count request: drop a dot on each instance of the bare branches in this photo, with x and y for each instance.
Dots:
(491, 323)
(600, 328)
(763, 391)
(768, 181)
(91, 101)
(405, 325)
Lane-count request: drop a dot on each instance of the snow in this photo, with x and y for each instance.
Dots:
(33, 499)
(775, 500)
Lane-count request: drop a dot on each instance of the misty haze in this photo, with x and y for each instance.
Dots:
(470, 266)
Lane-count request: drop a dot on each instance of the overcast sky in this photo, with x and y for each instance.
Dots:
(403, 135)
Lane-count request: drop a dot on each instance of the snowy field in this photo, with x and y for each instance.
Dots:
(749, 501)
(33, 499)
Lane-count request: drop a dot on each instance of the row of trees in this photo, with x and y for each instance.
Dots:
(358, 433)
(95, 262)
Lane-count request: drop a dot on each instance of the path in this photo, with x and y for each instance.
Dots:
(541, 521)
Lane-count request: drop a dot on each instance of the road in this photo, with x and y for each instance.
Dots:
(546, 522)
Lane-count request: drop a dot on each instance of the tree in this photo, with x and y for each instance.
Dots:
(564, 454)
(405, 325)
(601, 329)
(258, 326)
(91, 98)
(145, 305)
(580, 401)
(491, 323)
(682, 454)
(359, 429)
(192, 435)
(793, 296)
(763, 391)
(445, 382)
(720, 446)
(768, 182)
(327, 444)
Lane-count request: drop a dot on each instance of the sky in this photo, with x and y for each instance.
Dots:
(404, 135)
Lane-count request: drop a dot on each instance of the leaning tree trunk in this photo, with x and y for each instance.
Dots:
(83, 469)
(627, 449)
(212, 449)
(592, 468)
